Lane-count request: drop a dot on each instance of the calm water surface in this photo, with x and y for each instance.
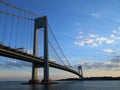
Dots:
(63, 85)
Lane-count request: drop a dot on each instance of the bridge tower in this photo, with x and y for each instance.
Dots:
(39, 23)
(80, 71)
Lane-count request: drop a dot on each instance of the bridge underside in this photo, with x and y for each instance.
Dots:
(20, 55)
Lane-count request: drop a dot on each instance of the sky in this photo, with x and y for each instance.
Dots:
(87, 30)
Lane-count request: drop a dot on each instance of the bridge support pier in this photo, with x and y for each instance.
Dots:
(34, 79)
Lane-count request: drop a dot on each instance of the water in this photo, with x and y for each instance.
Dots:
(63, 85)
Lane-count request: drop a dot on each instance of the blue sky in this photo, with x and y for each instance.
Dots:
(87, 30)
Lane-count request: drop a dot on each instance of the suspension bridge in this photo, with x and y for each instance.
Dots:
(28, 37)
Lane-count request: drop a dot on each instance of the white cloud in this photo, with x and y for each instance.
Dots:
(109, 41)
(94, 45)
(108, 50)
(117, 31)
(79, 43)
(79, 37)
(92, 35)
(96, 15)
(115, 37)
(100, 40)
(80, 32)
(88, 41)
(116, 34)
(114, 31)
(112, 36)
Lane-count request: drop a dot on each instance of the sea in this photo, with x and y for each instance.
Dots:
(62, 85)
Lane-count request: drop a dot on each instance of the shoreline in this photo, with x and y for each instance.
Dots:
(91, 79)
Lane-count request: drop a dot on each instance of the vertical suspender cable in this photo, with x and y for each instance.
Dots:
(19, 31)
(16, 32)
(1, 17)
(4, 28)
(28, 45)
(27, 35)
(11, 30)
(22, 34)
(31, 35)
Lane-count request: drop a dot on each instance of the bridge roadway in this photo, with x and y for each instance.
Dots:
(20, 55)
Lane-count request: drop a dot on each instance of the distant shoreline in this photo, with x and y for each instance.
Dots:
(91, 78)
(102, 78)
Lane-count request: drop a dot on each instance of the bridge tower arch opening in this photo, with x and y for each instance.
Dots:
(39, 23)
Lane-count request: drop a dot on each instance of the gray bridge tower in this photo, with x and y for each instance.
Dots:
(80, 72)
(38, 24)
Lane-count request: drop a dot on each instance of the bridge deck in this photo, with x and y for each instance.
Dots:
(21, 55)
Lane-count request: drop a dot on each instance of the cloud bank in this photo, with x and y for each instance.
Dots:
(14, 63)
(92, 40)
(113, 64)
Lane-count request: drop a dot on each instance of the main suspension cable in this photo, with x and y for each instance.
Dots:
(59, 46)
(11, 14)
(22, 10)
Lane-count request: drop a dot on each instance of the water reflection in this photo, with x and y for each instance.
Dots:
(46, 87)
(39, 87)
(34, 87)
